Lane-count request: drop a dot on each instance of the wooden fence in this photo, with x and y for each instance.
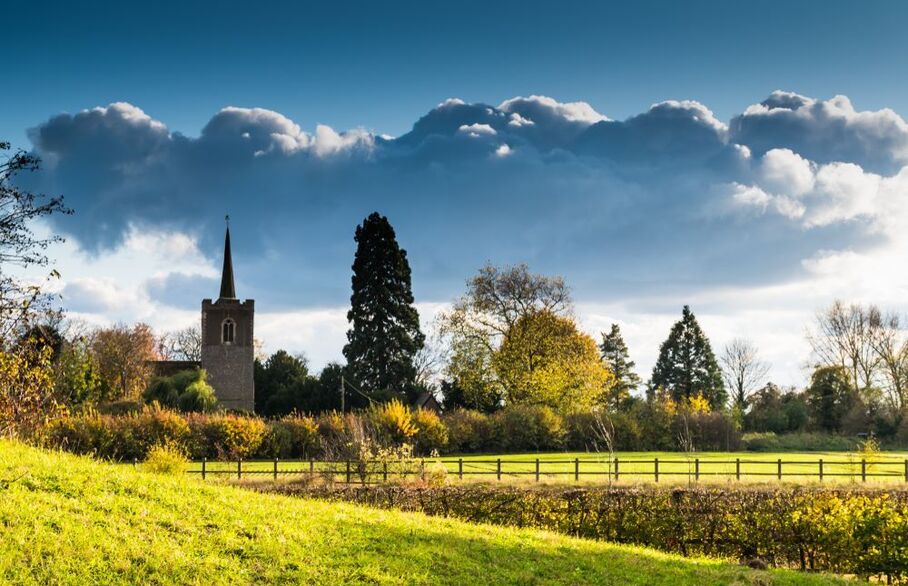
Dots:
(695, 469)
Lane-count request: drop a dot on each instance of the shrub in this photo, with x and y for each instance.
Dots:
(468, 431)
(86, 434)
(431, 433)
(392, 422)
(226, 436)
(302, 433)
(166, 459)
(135, 435)
(198, 397)
(796, 442)
(843, 531)
(528, 428)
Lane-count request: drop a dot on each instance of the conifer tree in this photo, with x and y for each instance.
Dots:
(616, 358)
(384, 336)
(687, 366)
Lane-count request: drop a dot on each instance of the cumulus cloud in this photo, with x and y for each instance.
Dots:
(824, 131)
(670, 202)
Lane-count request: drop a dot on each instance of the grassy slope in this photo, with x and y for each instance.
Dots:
(69, 520)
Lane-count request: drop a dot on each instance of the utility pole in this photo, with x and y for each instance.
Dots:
(342, 393)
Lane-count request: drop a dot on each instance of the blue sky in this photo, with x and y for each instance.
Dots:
(640, 149)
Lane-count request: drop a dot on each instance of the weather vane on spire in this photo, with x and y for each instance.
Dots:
(227, 220)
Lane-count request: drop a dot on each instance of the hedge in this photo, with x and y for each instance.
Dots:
(860, 532)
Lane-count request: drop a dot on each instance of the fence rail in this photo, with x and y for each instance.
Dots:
(376, 471)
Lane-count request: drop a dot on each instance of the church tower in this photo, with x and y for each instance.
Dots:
(228, 353)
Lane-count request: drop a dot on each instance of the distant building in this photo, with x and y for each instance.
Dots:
(428, 402)
(228, 353)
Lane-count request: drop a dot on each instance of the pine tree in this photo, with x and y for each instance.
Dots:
(616, 358)
(687, 366)
(385, 334)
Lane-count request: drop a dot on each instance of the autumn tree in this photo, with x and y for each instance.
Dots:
(384, 336)
(496, 299)
(686, 366)
(26, 386)
(743, 370)
(616, 358)
(545, 360)
(124, 359)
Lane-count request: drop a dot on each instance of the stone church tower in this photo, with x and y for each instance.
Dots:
(228, 353)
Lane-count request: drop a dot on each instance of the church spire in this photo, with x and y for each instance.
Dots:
(228, 290)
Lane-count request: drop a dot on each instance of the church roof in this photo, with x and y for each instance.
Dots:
(228, 289)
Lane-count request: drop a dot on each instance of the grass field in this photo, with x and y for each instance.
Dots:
(70, 520)
(674, 467)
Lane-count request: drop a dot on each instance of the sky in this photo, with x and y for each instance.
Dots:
(748, 160)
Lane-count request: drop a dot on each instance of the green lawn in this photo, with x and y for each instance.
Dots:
(70, 520)
(674, 467)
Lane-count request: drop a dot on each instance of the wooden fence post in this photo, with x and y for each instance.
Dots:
(275, 468)
(906, 470)
(737, 468)
(239, 468)
(616, 469)
(348, 471)
(537, 469)
(498, 469)
(460, 468)
(697, 469)
(656, 468)
(311, 467)
(821, 469)
(576, 469)
(384, 472)
(863, 470)
(135, 462)
(780, 468)
(203, 468)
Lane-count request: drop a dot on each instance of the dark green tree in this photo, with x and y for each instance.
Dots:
(616, 358)
(384, 336)
(278, 383)
(830, 397)
(687, 366)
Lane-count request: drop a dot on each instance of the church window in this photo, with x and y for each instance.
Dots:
(228, 331)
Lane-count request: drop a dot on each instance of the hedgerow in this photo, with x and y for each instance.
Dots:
(860, 532)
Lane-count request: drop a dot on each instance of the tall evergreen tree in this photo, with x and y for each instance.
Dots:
(616, 358)
(687, 366)
(385, 334)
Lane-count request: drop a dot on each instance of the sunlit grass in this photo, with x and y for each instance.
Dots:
(70, 520)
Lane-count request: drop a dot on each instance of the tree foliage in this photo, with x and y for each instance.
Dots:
(829, 396)
(384, 337)
(124, 357)
(545, 360)
(616, 358)
(686, 366)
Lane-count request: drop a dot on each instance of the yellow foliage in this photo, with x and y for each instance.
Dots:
(393, 420)
(27, 399)
(698, 404)
(545, 359)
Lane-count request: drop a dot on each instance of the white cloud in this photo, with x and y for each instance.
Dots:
(783, 171)
(476, 130)
(571, 111)
(503, 150)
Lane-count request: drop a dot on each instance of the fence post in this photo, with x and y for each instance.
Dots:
(863, 470)
(498, 469)
(537, 469)
(460, 468)
(616, 469)
(275, 468)
(239, 468)
(384, 472)
(348, 471)
(203, 468)
(656, 468)
(576, 469)
(737, 468)
(780, 468)
(697, 469)
(821, 469)
(906, 470)
(311, 467)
